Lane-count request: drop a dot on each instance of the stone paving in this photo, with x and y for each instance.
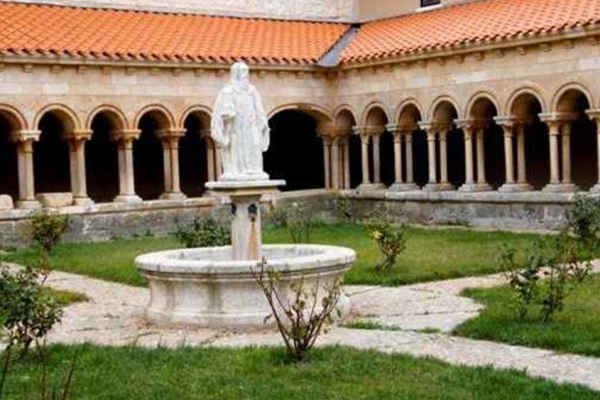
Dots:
(114, 316)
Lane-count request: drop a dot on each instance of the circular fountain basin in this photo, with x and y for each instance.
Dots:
(207, 288)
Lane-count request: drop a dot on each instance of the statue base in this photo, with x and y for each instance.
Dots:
(246, 225)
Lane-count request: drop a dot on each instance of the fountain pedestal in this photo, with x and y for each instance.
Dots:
(246, 232)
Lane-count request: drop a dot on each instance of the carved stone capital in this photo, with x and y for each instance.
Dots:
(25, 136)
(125, 135)
(369, 130)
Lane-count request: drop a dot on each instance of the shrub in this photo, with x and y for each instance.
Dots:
(390, 240)
(47, 228)
(584, 222)
(300, 320)
(203, 232)
(552, 270)
(300, 222)
(277, 217)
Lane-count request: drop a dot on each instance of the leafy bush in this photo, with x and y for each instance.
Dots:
(203, 232)
(301, 320)
(584, 222)
(47, 228)
(300, 222)
(276, 217)
(390, 240)
(552, 270)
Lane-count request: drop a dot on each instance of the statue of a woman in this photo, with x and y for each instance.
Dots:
(240, 128)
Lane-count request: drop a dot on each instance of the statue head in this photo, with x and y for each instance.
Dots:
(240, 74)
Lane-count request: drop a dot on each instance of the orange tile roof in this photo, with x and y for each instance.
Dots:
(466, 24)
(118, 35)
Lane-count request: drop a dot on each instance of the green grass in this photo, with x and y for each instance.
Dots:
(65, 298)
(258, 373)
(431, 254)
(575, 330)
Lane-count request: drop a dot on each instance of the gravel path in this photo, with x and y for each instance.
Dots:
(114, 316)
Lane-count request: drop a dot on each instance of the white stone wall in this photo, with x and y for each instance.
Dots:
(294, 9)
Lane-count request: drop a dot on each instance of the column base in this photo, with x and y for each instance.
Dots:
(561, 188)
(404, 187)
(476, 187)
(83, 201)
(28, 204)
(128, 199)
(516, 187)
(173, 196)
(365, 187)
(439, 187)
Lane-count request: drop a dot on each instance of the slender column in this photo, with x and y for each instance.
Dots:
(174, 146)
(469, 171)
(210, 160)
(521, 160)
(376, 159)
(408, 148)
(432, 156)
(554, 132)
(170, 140)
(335, 163)
(124, 141)
(508, 154)
(403, 133)
(346, 163)
(595, 116)
(482, 184)
(167, 167)
(24, 141)
(398, 157)
(327, 158)
(443, 138)
(364, 139)
(76, 142)
(567, 178)
(218, 163)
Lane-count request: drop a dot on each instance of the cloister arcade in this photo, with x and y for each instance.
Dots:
(526, 144)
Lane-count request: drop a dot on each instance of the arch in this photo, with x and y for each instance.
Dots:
(345, 118)
(370, 109)
(67, 116)
(443, 101)
(524, 91)
(16, 120)
(568, 87)
(319, 113)
(164, 116)
(477, 97)
(200, 109)
(410, 104)
(116, 116)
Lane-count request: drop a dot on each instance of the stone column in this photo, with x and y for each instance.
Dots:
(376, 158)
(77, 141)
(469, 185)
(595, 116)
(218, 159)
(170, 140)
(432, 185)
(24, 141)
(346, 154)
(327, 160)
(124, 141)
(364, 140)
(210, 160)
(335, 163)
(509, 162)
(521, 158)
(403, 133)
(482, 184)
(567, 177)
(444, 182)
(554, 125)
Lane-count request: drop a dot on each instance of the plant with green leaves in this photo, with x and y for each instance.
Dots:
(203, 232)
(46, 228)
(300, 222)
(584, 222)
(301, 318)
(390, 239)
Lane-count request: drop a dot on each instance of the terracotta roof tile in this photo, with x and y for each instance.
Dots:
(114, 34)
(468, 23)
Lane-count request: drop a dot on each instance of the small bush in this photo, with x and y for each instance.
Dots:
(301, 320)
(276, 217)
(47, 228)
(390, 240)
(584, 222)
(203, 232)
(300, 222)
(551, 271)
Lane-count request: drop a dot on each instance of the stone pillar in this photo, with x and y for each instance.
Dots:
(24, 141)
(170, 141)
(327, 160)
(76, 142)
(218, 160)
(482, 184)
(335, 163)
(522, 159)
(509, 162)
(364, 140)
(567, 177)
(377, 158)
(210, 160)
(595, 116)
(469, 185)
(554, 122)
(432, 185)
(403, 133)
(124, 141)
(346, 154)
(443, 139)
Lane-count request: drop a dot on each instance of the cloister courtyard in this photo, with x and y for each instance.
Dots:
(444, 153)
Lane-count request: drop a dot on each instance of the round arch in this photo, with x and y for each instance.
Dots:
(568, 87)
(478, 97)
(196, 109)
(440, 100)
(11, 120)
(369, 110)
(197, 153)
(407, 104)
(164, 116)
(116, 116)
(16, 120)
(344, 113)
(317, 112)
(67, 116)
(524, 91)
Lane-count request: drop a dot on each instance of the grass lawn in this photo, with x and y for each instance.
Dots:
(258, 373)
(65, 298)
(575, 330)
(431, 254)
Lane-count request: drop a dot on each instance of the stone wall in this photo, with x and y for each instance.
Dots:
(292, 9)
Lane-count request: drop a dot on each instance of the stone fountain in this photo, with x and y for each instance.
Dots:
(215, 287)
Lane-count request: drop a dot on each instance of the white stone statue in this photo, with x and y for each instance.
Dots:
(240, 128)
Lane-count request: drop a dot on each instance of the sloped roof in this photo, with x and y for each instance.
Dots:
(467, 24)
(123, 35)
